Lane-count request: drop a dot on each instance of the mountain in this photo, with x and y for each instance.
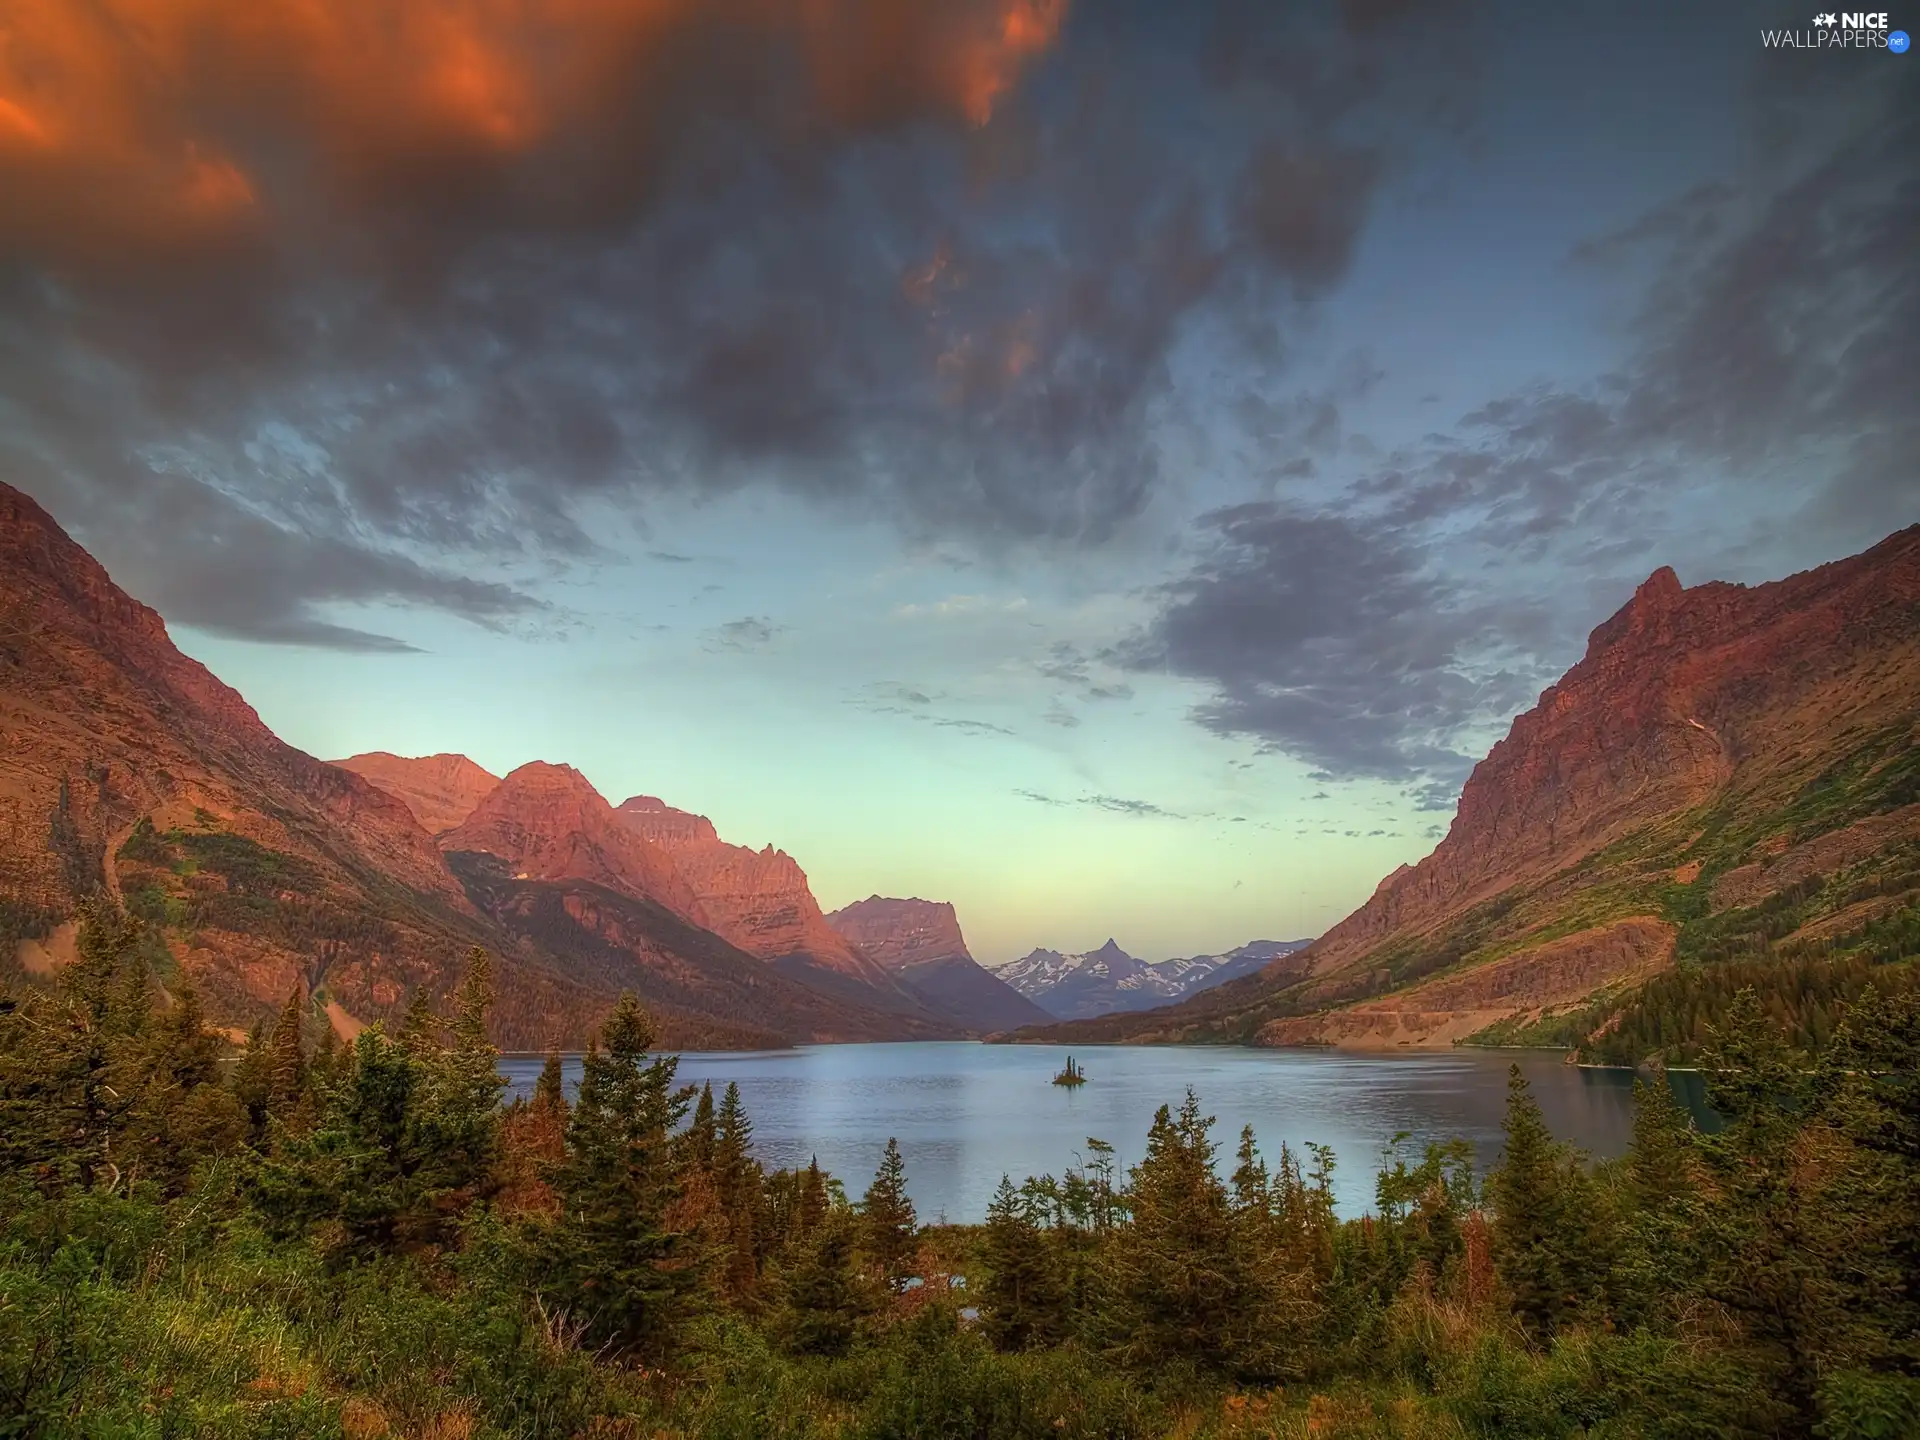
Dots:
(127, 766)
(547, 822)
(1074, 987)
(760, 901)
(920, 941)
(1730, 773)
(440, 790)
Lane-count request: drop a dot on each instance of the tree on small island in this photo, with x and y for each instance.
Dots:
(1071, 1075)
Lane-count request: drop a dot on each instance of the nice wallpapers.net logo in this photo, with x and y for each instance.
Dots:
(1843, 30)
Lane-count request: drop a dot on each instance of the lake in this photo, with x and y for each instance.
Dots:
(964, 1113)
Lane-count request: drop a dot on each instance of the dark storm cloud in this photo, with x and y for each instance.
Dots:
(1325, 641)
(399, 287)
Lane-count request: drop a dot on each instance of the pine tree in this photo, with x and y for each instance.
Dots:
(1176, 1283)
(1780, 1241)
(287, 1058)
(1548, 1246)
(615, 1261)
(1021, 1304)
(73, 1069)
(1251, 1185)
(184, 1115)
(470, 1072)
(813, 1196)
(740, 1188)
(419, 1027)
(550, 1090)
(700, 1133)
(823, 1300)
(889, 1228)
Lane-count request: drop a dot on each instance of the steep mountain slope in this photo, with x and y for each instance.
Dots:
(440, 790)
(920, 941)
(1100, 982)
(760, 901)
(128, 766)
(125, 764)
(1731, 772)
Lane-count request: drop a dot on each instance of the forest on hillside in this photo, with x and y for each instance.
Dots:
(312, 1239)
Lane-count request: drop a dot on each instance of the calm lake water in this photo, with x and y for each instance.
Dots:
(964, 1112)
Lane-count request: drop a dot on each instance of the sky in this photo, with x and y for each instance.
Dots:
(1112, 465)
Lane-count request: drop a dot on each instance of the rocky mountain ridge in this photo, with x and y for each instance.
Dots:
(1102, 981)
(128, 767)
(441, 790)
(1716, 748)
(920, 941)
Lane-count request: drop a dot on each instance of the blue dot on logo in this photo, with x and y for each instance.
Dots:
(1897, 42)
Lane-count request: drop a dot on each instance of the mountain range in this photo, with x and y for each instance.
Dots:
(1100, 982)
(128, 768)
(1729, 773)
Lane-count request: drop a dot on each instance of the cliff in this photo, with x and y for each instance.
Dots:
(440, 790)
(920, 941)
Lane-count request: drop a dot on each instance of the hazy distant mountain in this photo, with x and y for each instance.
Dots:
(920, 941)
(1100, 982)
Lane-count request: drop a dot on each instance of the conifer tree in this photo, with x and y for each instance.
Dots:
(1780, 1243)
(1525, 1195)
(615, 1260)
(419, 1026)
(1176, 1286)
(73, 1068)
(700, 1133)
(823, 1300)
(1021, 1304)
(184, 1115)
(1548, 1248)
(889, 1228)
(550, 1090)
(1251, 1185)
(739, 1186)
(470, 1072)
(813, 1196)
(287, 1058)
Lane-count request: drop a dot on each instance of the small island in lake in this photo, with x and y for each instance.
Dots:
(1071, 1075)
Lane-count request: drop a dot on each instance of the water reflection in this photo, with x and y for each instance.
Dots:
(964, 1113)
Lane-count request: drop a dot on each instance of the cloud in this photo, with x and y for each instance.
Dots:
(1387, 631)
(750, 632)
(1113, 804)
(431, 284)
(1325, 641)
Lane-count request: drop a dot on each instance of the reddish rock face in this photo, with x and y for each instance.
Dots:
(1682, 695)
(758, 899)
(103, 724)
(902, 933)
(440, 790)
(548, 823)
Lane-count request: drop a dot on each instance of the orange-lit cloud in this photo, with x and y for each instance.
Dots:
(129, 122)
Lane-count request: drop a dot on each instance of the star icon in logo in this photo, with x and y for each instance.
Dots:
(1826, 19)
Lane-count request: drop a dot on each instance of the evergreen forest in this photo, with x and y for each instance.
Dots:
(316, 1238)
